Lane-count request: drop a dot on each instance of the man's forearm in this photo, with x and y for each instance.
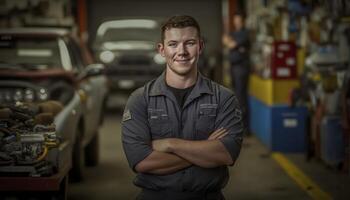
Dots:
(205, 153)
(229, 42)
(162, 163)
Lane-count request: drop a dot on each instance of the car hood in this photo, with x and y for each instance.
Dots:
(38, 74)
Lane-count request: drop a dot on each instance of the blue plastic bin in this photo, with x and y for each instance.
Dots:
(280, 127)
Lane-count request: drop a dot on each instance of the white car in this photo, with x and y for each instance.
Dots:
(127, 46)
(44, 64)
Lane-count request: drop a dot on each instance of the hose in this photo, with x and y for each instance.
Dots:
(43, 155)
(51, 144)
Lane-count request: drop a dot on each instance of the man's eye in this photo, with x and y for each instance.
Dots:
(191, 43)
(172, 44)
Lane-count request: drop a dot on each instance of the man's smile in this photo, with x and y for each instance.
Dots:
(182, 60)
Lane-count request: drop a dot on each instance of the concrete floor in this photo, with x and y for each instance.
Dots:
(255, 176)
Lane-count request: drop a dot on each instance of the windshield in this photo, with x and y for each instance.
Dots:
(117, 34)
(29, 53)
(128, 34)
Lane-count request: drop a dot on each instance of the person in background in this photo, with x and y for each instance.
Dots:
(238, 44)
(181, 130)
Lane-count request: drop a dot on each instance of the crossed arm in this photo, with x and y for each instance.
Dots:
(228, 42)
(172, 154)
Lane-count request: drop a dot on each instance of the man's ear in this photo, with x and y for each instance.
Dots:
(160, 48)
(201, 46)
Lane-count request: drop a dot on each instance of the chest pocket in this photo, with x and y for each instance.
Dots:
(160, 123)
(205, 123)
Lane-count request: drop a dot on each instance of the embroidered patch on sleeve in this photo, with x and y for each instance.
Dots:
(126, 115)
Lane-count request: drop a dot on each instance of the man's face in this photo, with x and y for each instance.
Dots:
(181, 49)
(237, 22)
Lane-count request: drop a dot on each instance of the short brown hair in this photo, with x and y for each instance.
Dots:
(180, 21)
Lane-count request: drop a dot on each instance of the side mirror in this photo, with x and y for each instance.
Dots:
(92, 70)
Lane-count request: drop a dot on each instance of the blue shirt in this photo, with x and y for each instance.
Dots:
(241, 52)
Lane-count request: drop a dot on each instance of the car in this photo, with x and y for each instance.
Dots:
(43, 65)
(127, 46)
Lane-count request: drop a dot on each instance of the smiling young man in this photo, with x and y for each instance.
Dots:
(181, 131)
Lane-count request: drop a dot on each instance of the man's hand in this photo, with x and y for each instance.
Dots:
(162, 145)
(228, 41)
(225, 39)
(217, 134)
(204, 153)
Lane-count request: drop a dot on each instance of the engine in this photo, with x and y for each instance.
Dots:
(27, 137)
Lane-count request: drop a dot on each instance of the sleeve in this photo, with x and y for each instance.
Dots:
(230, 117)
(241, 38)
(136, 138)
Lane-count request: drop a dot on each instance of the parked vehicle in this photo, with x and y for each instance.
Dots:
(40, 65)
(127, 46)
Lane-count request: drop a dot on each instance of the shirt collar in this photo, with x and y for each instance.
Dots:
(202, 86)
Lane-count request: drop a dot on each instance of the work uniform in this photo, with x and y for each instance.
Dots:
(152, 112)
(240, 68)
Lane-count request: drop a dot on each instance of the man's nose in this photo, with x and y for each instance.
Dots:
(182, 49)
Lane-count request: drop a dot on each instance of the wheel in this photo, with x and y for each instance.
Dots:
(76, 174)
(92, 151)
(102, 113)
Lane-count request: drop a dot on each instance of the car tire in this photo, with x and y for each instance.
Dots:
(92, 151)
(77, 172)
(102, 112)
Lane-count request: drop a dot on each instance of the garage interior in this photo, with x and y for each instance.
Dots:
(298, 140)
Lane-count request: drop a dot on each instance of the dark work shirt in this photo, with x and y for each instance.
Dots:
(152, 112)
(241, 52)
(181, 94)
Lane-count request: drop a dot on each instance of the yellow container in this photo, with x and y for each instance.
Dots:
(271, 92)
(300, 60)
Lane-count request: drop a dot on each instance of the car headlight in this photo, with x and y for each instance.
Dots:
(106, 56)
(29, 95)
(18, 95)
(42, 94)
(13, 95)
(159, 59)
